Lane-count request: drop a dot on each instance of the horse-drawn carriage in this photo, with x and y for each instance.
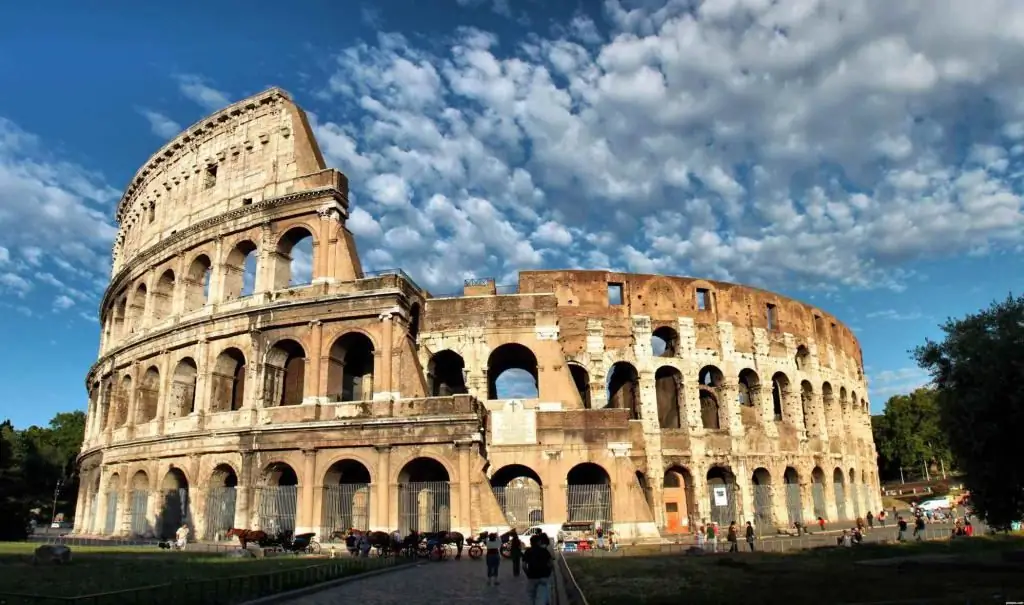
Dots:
(305, 543)
(436, 546)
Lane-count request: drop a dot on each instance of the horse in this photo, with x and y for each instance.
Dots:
(247, 535)
(448, 537)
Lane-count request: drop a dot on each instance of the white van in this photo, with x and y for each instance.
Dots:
(934, 504)
(551, 529)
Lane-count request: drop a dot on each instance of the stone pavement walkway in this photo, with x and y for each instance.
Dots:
(430, 583)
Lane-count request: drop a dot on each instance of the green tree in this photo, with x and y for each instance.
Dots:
(978, 371)
(14, 510)
(909, 433)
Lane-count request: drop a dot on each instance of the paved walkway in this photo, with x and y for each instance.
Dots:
(447, 582)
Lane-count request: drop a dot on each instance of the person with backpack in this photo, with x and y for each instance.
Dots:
(538, 564)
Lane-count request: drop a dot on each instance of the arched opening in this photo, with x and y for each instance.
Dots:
(512, 373)
(350, 368)
(414, 322)
(293, 259)
(589, 494)
(228, 381)
(520, 495)
(278, 496)
(854, 494)
(794, 501)
(163, 297)
(137, 310)
(724, 494)
(240, 270)
(138, 500)
(762, 483)
(346, 501)
(802, 358)
(581, 379)
(832, 417)
(842, 399)
(118, 324)
(710, 381)
(122, 401)
(183, 388)
(665, 342)
(780, 393)
(285, 374)
(424, 497)
(668, 384)
(749, 393)
(174, 507)
(680, 507)
(221, 496)
(818, 493)
(197, 283)
(446, 374)
(113, 509)
(839, 489)
(807, 406)
(624, 389)
(148, 396)
(105, 403)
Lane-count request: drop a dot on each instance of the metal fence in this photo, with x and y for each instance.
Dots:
(794, 505)
(276, 509)
(345, 506)
(818, 497)
(523, 505)
(139, 512)
(589, 503)
(91, 516)
(174, 511)
(424, 506)
(762, 506)
(110, 523)
(220, 511)
(723, 514)
(840, 500)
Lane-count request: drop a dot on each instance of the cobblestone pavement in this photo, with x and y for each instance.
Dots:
(447, 582)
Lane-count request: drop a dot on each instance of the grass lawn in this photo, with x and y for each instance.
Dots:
(818, 577)
(101, 569)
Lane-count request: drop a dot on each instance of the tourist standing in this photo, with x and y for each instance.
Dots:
(750, 536)
(493, 558)
(538, 563)
(600, 536)
(713, 536)
(732, 535)
(515, 552)
(901, 525)
(181, 537)
(871, 520)
(701, 538)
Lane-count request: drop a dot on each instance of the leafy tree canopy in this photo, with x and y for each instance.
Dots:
(978, 371)
(909, 434)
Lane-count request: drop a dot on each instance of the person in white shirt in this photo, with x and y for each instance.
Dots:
(493, 546)
(181, 537)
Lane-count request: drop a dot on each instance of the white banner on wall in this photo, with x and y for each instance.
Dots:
(721, 497)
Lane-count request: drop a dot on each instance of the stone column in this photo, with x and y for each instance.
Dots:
(382, 490)
(464, 521)
(202, 405)
(80, 504)
(313, 387)
(729, 395)
(266, 263)
(383, 389)
(243, 492)
(307, 487)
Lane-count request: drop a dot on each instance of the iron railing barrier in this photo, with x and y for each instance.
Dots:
(565, 590)
(220, 591)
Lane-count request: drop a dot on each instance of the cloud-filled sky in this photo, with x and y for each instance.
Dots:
(863, 156)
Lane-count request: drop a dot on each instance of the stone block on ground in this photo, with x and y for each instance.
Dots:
(52, 554)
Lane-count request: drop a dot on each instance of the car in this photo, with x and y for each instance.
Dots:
(934, 504)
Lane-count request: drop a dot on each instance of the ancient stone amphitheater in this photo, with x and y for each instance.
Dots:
(359, 399)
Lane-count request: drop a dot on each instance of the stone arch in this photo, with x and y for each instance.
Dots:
(668, 384)
(802, 359)
(424, 496)
(113, 505)
(221, 498)
(794, 499)
(709, 386)
(581, 380)
(748, 388)
(764, 516)
(854, 401)
(346, 498)
(677, 494)
(162, 296)
(197, 282)
(292, 262)
(240, 267)
(842, 398)
(723, 492)
(665, 342)
(183, 388)
(277, 498)
(174, 510)
(350, 368)
(780, 394)
(148, 396)
(832, 417)
(228, 378)
(414, 321)
(122, 401)
(137, 308)
(138, 502)
(589, 493)
(520, 494)
(118, 323)
(446, 374)
(818, 493)
(624, 388)
(515, 366)
(807, 405)
(839, 488)
(285, 373)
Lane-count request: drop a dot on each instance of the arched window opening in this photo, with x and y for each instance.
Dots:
(680, 506)
(163, 297)
(285, 374)
(520, 495)
(138, 503)
(589, 494)
(724, 494)
(424, 497)
(668, 384)
(803, 357)
(818, 493)
(710, 381)
(277, 497)
(843, 403)
(122, 402)
(446, 374)
(118, 321)
(807, 405)
(350, 368)
(794, 500)
(293, 259)
(748, 388)
(220, 502)
(780, 392)
(624, 389)
(414, 322)
(113, 498)
(197, 283)
(346, 501)
(665, 342)
(148, 396)
(137, 311)
(229, 381)
(839, 486)
(183, 388)
(853, 401)
(512, 373)
(240, 270)
(762, 484)
(174, 509)
(581, 379)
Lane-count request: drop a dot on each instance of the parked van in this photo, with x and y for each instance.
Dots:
(934, 504)
(551, 529)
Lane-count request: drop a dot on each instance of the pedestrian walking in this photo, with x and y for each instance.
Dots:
(515, 553)
(493, 558)
(538, 564)
(733, 538)
(750, 536)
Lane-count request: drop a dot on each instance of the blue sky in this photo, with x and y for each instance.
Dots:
(867, 162)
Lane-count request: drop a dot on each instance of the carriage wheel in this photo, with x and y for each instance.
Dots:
(475, 552)
(313, 548)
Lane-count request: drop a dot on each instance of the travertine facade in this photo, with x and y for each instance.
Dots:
(363, 400)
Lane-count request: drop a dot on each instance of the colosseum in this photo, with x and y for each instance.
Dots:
(230, 393)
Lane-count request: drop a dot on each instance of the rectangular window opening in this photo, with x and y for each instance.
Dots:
(211, 176)
(246, 201)
(614, 294)
(703, 299)
(818, 326)
(770, 315)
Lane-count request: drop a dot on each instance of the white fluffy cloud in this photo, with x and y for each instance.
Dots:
(828, 143)
(160, 125)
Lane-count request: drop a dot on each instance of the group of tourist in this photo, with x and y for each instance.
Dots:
(535, 561)
(708, 536)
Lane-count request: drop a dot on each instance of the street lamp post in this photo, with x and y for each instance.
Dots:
(56, 494)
